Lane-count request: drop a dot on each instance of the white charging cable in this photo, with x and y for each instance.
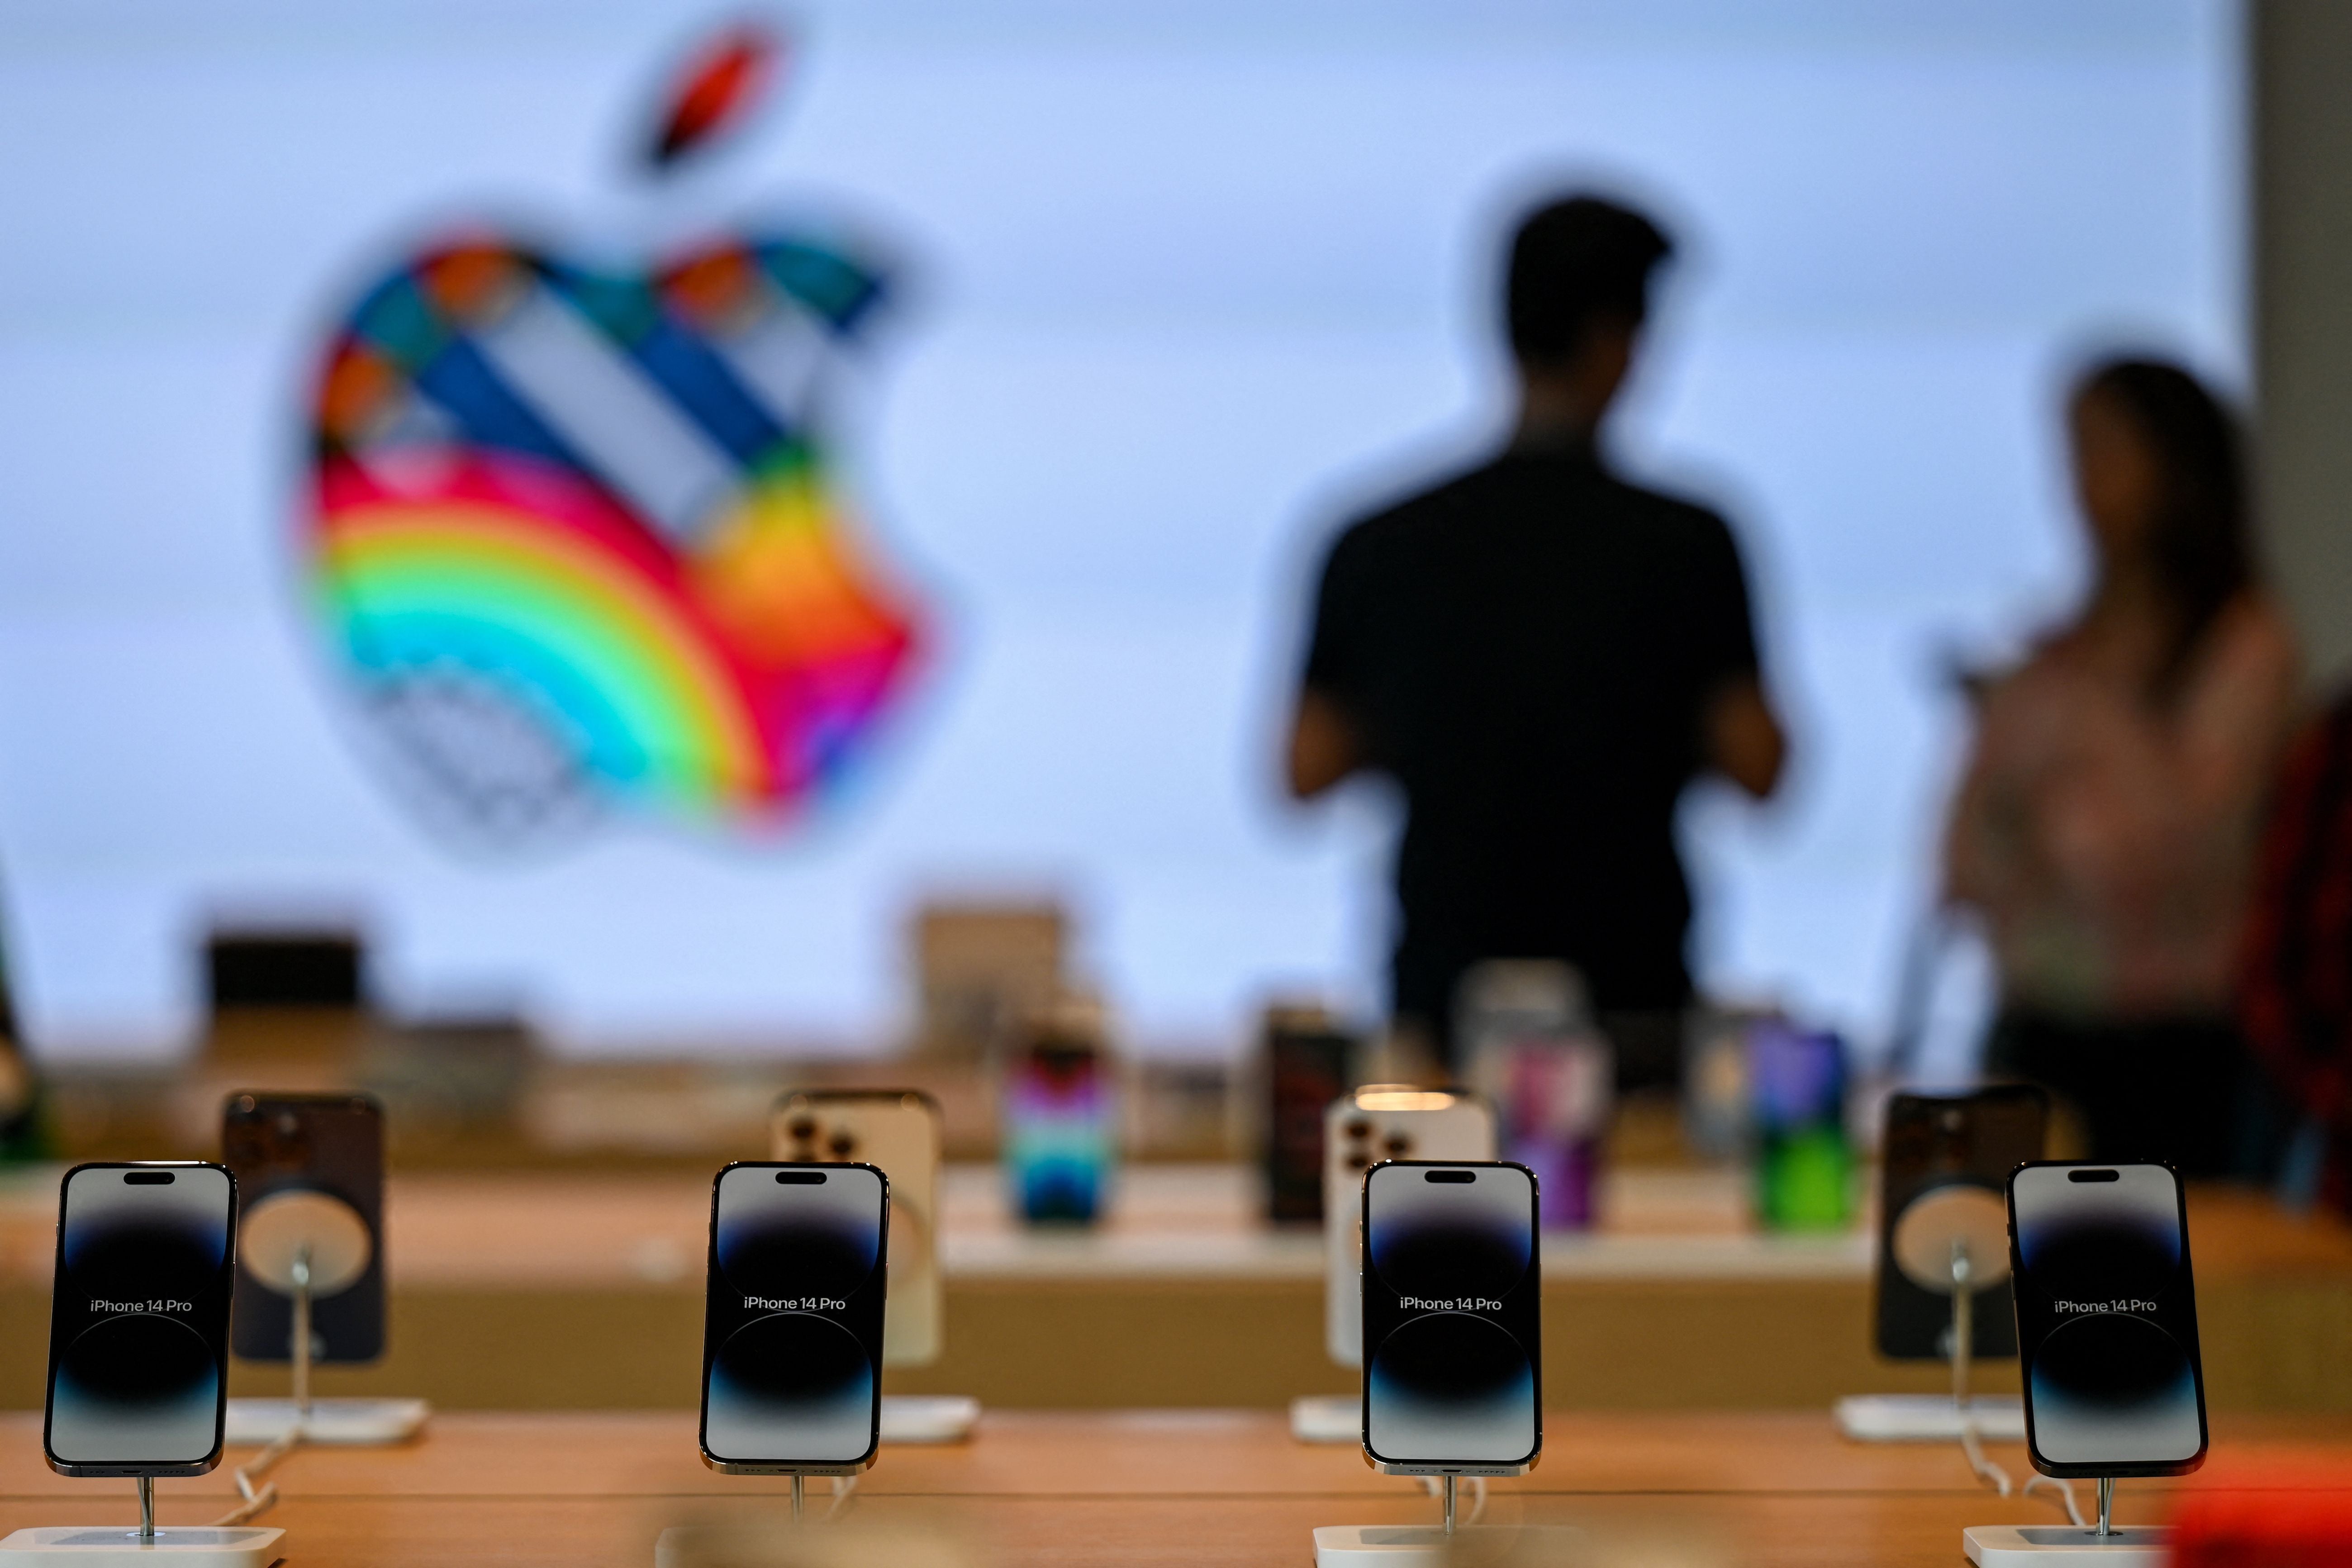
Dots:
(1963, 1340)
(1992, 1475)
(2066, 1491)
(1998, 1479)
(258, 1502)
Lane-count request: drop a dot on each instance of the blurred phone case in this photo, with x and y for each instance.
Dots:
(1308, 1057)
(1935, 1141)
(1060, 1129)
(898, 1130)
(1377, 1122)
(1798, 1079)
(329, 1143)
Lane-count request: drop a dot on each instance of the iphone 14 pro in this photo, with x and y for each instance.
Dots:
(792, 1338)
(138, 1318)
(1453, 1317)
(2106, 1319)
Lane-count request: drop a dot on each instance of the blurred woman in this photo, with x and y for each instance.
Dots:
(2107, 822)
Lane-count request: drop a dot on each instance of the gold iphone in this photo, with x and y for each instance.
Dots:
(896, 1131)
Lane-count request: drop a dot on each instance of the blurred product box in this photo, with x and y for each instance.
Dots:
(1060, 1131)
(1804, 1158)
(1308, 1062)
(1533, 1052)
(980, 970)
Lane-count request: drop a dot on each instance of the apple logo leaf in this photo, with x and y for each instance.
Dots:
(718, 89)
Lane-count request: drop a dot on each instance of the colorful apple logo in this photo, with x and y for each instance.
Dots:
(576, 536)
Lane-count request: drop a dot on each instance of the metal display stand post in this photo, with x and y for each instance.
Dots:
(309, 1246)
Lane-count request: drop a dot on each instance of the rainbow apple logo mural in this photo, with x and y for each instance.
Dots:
(576, 535)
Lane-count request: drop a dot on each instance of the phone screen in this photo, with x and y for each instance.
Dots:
(791, 1352)
(138, 1318)
(1452, 1299)
(328, 1144)
(2106, 1319)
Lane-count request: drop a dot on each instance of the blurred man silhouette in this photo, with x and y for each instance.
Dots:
(1543, 655)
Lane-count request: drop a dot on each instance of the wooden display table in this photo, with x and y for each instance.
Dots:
(1166, 1487)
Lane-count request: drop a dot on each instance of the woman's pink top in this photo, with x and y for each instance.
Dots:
(2108, 838)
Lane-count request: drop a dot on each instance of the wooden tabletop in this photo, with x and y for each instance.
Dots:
(1188, 1486)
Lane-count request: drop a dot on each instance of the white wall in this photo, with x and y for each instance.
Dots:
(1191, 279)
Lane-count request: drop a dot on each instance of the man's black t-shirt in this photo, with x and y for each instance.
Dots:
(1529, 649)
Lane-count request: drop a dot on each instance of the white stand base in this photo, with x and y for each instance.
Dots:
(1428, 1545)
(1328, 1418)
(927, 1418)
(1386, 1546)
(1929, 1419)
(2033, 1546)
(119, 1546)
(358, 1422)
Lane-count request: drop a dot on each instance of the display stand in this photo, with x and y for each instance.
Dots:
(100, 1546)
(1328, 1418)
(1952, 1241)
(928, 1417)
(113, 1546)
(308, 1245)
(2028, 1546)
(1391, 1545)
(1929, 1418)
(1449, 1545)
(188, 1546)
